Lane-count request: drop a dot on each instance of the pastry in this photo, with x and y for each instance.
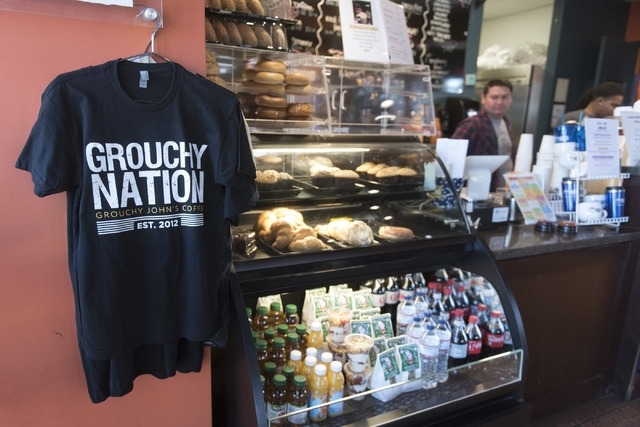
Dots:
(406, 175)
(263, 226)
(209, 31)
(217, 80)
(268, 78)
(395, 234)
(271, 101)
(234, 34)
(221, 32)
(355, 233)
(298, 89)
(319, 160)
(271, 113)
(363, 168)
(228, 5)
(323, 177)
(279, 39)
(296, 79)
(266, 182)
(345, 178)
(247, 34)
(283, 212)
(300, 109)
(241, 6)
(371, 173)
(262, 88)
(271, 67)
(213, 69)
(308, 244)
(254, 6)
(388, 175)
(215, 4)
(283, 230)
(264, 39)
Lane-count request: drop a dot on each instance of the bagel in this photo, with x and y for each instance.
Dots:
(271, 67)
(247, 34)
(271, 113)
(264, 39)
(268, 78)
(300, 109)
(221, 32)
(234, 34)
(298, 89)
(271, 101)
(296, 79)
(228, 5)
(209, 31)
(261, 88)
(254, 6)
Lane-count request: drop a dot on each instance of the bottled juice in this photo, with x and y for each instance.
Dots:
(303, 337)
(261, 320)
(249, 315)
(254, 336)
(269, 372)
(277, 401)
(295, 361)
(318, 391)
(297, 401)
(282, 331)
(288, 373)
(278, 354)
(269, 335)
(310, 363)
(274, 315)
(292, 342)
(336, 389)
(315, 336)
(262, 384)
(291, 317)
(326, 358)
(312, 351)
(261, 353)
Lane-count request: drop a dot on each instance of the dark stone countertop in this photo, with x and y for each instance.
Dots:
(519, 240)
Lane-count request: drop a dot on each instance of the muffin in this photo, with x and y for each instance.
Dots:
(363, 168)
(406, 175)
(323, 177)
(371, 173)
(285, 181)
(266, 181)
(269, 162)
(388, 175)
(345, 178)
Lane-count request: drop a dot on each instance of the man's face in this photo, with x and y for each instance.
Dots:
(497, 101)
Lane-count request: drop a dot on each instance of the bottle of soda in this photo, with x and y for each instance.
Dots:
(419, 281)
(429, 349)
(459, 340)
(277, 401)
(318, 393)
(336, 389)
(462, 301)
(261, 353)
(432, 288)
(391, 296)
(493, 340)
(420, 302)
(261, 320)
(444, 334)
(303, 336)
(436, 305)
(298, 400)
(275, 315)
(291, 317)
(474, 335)
(378, 292)
(483, 317)
(405, 315)
(448, 302)
(415, 330)
(476, 298)
(407, 287)
(508, 341)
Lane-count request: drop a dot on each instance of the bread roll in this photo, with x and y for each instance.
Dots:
(271, 67)
(296, 79)
(264, 39)
(298, 89)
(355, 233)
(271, 113)
(228, 5)
(221, 32)
(262, 88)
(217, 80)
(209, 31)
(241, 6)
(395, 234)
(271, 101)
(308, 244)
(234, 34)
(300, 109)
(215, 4)
(254, 6)
(268, 78)
(247, 34)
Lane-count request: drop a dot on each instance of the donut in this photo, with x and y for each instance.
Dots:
(228, 5)
(271, 67)
(234, 34)
(261, 88)
(209, 31)
(271, 113)
(221, 32)
(271, 101)
(254, 6)
(299, 109)
(264, 39)
(268, 78)
(247, 34)
(298, 89)
(296, 79)
(241, 6)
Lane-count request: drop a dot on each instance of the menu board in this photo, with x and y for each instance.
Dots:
(318, 30)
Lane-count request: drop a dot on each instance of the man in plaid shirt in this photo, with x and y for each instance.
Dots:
(489, 132)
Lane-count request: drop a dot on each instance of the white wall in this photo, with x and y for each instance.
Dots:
(532, 26)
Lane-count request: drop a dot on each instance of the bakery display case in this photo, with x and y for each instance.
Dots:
(323, 222)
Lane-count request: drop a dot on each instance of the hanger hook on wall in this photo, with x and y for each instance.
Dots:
(150, 14)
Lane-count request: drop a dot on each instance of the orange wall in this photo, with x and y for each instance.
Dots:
(41, 378)
(633, 24)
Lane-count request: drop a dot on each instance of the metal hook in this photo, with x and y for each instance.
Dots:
(150, 14)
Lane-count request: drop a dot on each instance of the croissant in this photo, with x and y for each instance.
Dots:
(355, 233)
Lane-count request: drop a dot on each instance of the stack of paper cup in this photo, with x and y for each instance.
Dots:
(543, 175)
(524, 155)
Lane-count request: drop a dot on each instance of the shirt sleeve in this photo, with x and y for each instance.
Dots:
(236, 169)
(50, 153)
(466, 129)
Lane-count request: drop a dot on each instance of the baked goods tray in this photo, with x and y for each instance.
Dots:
(270, 250)
(250, 17)
(354, 188)
(280, 194)
(375, 227)
(414, 183)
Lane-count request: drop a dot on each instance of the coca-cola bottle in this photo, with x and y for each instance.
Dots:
(440, 277)
(418, 280)
(462, 302)
(476, 299)
(448, 302)
(493, 340)
(483, 317)
(474, 336)
(407, 287)
(436, 304)
(391, 296)
(459, 340)
(378, 293)
(508, 341)
(406, 313)
(431, 289)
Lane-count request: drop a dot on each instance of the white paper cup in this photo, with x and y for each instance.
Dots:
(547, 145)
(562, 147)
(525, 145)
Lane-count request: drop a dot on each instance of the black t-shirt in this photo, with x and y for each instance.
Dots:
(154, 175)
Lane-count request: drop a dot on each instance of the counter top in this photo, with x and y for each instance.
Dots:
(518, 240)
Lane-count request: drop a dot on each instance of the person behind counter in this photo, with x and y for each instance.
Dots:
(598, 103)
(489, 132)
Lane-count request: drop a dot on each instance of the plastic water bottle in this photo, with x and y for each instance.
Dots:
(406, 313)
(415, 330)
(428, 320)
(429, 347)
(444, 335)
(420, 302)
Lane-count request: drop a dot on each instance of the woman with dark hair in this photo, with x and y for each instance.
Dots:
(598, 102)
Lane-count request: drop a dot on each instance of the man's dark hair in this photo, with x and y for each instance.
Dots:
(497, 82)
(604, 90)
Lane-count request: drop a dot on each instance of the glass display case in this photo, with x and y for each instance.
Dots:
(368, 228)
